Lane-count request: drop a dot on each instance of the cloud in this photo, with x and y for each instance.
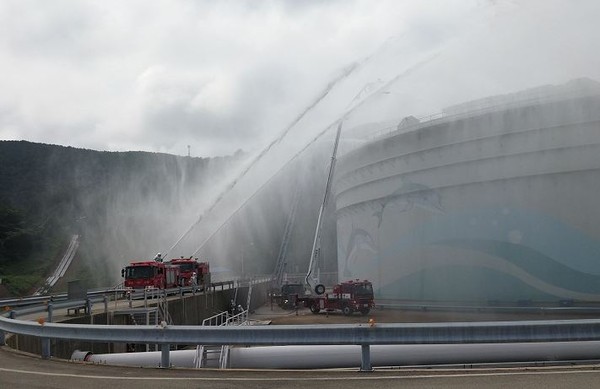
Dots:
(220, 76)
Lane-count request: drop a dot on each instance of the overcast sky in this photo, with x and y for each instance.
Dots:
(226, 75)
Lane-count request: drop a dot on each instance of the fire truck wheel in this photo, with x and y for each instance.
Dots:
(347, 310)
(364, 311)
(314, 308)
(320, 289)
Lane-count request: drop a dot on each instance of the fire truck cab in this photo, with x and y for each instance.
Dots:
(187, 268)
(144, 274)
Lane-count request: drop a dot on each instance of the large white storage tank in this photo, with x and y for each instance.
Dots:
(494, 201)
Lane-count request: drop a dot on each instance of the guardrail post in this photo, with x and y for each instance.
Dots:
(46, 349)
(50, 312)
(365, 361)
(11, 315)
(105, 300)
(165, 348)
(46, 354)
(88, 306)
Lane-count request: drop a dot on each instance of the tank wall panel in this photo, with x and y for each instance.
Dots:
(465, 213)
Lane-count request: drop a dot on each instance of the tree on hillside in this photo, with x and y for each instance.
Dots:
(15, 239)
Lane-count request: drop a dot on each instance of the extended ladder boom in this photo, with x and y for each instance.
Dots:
(312, 280)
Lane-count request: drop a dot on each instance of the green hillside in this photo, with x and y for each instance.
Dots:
(130, 205)
(114, 200)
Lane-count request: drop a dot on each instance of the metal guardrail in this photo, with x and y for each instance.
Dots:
(22, 301)
(34, 300)
(35, 304)
(49, 305)
(363, 335)
(44, 299)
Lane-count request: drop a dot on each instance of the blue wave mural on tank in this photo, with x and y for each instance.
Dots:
(541, 266)
(464, 283)
(564, 260)
(551, 239)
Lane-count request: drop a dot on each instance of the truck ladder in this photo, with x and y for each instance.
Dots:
(312, 278)
(249, 296)
(287, 233)
(237, 287)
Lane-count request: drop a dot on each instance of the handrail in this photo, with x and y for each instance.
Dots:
(216, 320)
(30, 300)
(447, 114)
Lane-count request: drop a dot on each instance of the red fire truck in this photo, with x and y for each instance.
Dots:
(187, 268)
(150, 274)
(349, 297)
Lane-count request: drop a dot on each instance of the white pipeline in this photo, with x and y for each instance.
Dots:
(321, 357)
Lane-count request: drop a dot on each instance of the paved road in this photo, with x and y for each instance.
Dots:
(18, 370)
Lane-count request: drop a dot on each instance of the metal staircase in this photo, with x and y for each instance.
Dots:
(217, 356)
(163, 309)
(154, 311)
